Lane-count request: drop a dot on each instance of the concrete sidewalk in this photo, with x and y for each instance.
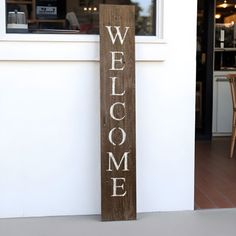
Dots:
(220, 222)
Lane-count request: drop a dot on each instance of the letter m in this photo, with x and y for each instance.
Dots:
(112, 159)
(117, 34)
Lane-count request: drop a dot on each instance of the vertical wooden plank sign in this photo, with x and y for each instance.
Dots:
(117, 85)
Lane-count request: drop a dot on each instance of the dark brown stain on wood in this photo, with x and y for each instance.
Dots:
(122, 206)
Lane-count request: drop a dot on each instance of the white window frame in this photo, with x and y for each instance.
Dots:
(78, 47)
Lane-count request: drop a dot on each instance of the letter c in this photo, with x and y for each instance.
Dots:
(112, 110)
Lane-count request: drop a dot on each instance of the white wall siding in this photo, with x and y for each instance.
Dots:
(50, 135)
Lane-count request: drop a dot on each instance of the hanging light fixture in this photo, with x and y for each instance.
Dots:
(225, 4)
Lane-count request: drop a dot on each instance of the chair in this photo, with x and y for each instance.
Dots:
(232, 81)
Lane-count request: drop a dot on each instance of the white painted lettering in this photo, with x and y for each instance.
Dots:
(112, 110)
(112, 159)
(113, 88)
(117, 60)
(116, 187)
(123, 136)
(118, 33)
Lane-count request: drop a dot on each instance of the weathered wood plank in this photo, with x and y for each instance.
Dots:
(117, 86)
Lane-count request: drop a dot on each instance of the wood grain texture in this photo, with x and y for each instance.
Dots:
(215, 174)
(118, 207)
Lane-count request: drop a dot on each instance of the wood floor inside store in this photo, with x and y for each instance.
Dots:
(215, 174)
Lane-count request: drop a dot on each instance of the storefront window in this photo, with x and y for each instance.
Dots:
(71, 16)
(225, 35)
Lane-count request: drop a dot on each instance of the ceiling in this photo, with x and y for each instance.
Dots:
(225, 10)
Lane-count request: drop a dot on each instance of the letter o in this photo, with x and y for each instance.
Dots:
(123, 136)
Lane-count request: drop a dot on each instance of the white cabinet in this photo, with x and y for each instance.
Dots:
(222, 106)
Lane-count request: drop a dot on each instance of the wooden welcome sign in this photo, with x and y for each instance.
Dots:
(118, 153)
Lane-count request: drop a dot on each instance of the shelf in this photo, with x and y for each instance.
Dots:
(55, 31)
(49, 21)
(225, 49)
(223, 73)
(39, 21)
(46, 20)
(19, 2)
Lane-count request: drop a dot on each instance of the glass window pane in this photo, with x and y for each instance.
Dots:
(225, 19)
(71, 16)
(225, 35)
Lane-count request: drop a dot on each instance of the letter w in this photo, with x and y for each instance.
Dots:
(118, 33)
(118, 165)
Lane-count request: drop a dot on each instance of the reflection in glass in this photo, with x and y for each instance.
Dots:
(73, 16)
(225, 35)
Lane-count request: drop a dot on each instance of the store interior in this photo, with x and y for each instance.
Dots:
(216, 60)
(216, 48)
(71, 16)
